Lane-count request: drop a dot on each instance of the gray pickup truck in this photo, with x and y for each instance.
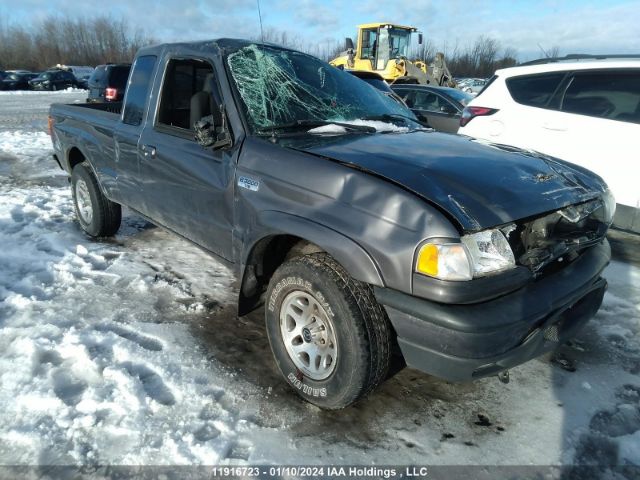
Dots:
(369, 239)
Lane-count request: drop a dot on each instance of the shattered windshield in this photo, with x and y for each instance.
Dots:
(280, 87)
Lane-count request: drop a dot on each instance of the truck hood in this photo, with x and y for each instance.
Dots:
(479, 184)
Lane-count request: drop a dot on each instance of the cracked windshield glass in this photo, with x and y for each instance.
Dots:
(280, 87)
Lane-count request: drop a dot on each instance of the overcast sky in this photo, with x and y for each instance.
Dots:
(610, 26)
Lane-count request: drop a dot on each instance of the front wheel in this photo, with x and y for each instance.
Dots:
(329, 336)
(98, 216)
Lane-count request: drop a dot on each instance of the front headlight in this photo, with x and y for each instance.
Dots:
(448, 261)
(477, 255)
(490, 252)
(609, 203)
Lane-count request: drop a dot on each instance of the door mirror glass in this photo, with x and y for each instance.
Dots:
(205, 131)
(208, 134)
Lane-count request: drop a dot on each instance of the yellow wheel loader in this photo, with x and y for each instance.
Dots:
(384, 48)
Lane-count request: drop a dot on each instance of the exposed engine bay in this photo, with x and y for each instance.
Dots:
(559, 237)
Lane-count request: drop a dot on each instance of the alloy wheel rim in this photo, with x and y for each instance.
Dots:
(83, 201)
(308, 335)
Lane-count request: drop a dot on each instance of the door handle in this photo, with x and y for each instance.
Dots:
(148, 151)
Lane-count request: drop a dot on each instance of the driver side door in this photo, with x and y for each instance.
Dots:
(187, 188)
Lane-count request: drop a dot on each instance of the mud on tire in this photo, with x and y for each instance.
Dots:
(347, 313)
(97, 215)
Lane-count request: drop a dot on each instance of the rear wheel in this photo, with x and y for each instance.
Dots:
(330, 338)
(97, 215)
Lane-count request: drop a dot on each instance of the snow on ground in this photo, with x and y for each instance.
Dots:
(128, 351)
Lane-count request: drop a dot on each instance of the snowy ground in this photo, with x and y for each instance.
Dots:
(129, 352)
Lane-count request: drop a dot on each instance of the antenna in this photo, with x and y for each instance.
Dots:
(260, 17)
(544, 52)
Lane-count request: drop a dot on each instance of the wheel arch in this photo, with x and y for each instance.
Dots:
(286, 236)
(74, 157)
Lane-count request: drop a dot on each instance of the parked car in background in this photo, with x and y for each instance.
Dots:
(18, 80)
(78, 71)
(53, 80)
(439, 107)
(375, 80)
(83, 81)
(585, 111)
(473, 85)
(108, 82)
(3, 74)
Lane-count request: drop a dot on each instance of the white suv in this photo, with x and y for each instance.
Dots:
(585, 111)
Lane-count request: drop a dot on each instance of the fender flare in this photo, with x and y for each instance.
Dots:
(271, 224)
(346, 251)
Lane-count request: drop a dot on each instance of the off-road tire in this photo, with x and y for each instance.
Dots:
(106, 215)
(362, 330)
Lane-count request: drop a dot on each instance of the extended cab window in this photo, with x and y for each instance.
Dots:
(612, 95)
(534, 90)
(186, 93)
(138, 90)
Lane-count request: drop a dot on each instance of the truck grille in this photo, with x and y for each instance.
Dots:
(550, 242)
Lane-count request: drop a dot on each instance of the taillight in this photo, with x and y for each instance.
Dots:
(111, 93)
(50, 123)
(469, 113)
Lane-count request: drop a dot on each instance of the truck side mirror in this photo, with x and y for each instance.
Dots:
(419, 39)
(205, 131)
(348, 43)
(208, 134)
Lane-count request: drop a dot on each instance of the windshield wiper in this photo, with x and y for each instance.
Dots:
(389, 117)
(307, 124)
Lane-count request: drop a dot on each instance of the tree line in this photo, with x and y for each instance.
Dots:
(103, 39)
(54, 40)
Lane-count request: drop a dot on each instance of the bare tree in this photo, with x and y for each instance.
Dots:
(75, 42)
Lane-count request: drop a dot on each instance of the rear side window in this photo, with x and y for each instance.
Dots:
(118, 76)
(486, 85)
(138, 90)
(429, 101)
(612, 95)
(534, 90)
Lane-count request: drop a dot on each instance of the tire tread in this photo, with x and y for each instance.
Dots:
(376, 331)
(109, 213)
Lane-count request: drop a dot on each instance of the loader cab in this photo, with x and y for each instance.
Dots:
(380, 42)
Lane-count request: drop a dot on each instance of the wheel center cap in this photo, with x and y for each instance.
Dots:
(306, 335)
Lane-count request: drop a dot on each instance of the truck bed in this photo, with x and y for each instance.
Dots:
(111, 107)
(88, 126)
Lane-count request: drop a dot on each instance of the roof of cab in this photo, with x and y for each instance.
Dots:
(226, 44)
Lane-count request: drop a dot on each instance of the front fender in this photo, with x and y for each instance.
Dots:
(346, 251)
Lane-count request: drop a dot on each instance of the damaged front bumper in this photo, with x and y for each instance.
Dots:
(465, 342)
